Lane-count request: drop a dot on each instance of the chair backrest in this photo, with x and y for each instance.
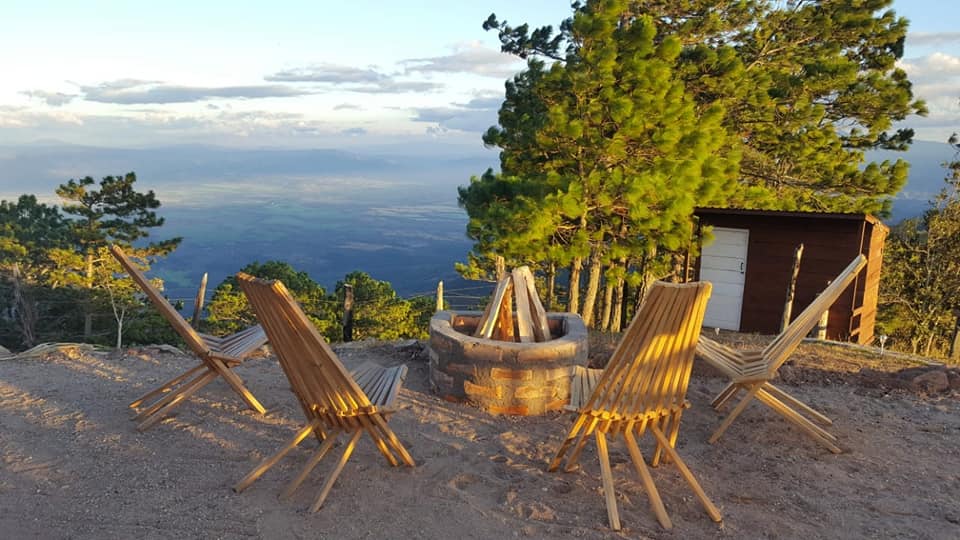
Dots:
(777, 352)
(182, 327)
(650, 368)
(313, 369)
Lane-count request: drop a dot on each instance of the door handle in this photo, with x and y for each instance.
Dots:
(741, 266)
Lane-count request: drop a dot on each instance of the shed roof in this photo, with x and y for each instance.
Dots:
(873, 220)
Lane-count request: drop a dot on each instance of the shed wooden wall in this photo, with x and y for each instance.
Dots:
(829, 246)
(865, 317)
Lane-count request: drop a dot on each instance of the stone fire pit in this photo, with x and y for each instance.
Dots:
(505, 377)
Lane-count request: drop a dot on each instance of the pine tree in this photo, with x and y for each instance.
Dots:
(604, 154)
(111, 212)
(806, 88)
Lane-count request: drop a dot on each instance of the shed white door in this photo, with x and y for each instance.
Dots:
(724, 263)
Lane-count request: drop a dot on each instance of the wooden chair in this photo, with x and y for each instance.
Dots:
(752, 371)
(333, 400)
(642, 389)
(218, 355)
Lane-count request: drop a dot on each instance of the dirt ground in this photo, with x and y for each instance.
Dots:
(73, 466)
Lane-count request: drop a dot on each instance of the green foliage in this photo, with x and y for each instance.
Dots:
(378, 312)
(805, 86)
(230, 312)
(111, 212)
(115, 212)
(28, 230)
(920, 291)
(62, 257)
(604, 155)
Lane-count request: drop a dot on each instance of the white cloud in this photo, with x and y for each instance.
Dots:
(931, 68)
(351, 79)
(53, 99)
(476, 115)
(470, 57)
(933, 38)
(328, 73)
(129, 91)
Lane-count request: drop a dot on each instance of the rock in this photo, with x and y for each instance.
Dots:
(788, 374)
(5, 352)
(953, 376)
(930, 382)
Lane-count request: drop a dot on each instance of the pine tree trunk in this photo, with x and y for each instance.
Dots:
(955, 342)
(88, 270)
(23, 310)
(88, 316)
(573, 288)
(551, 286)
(593, 288)
(607, 306)
(616, 318)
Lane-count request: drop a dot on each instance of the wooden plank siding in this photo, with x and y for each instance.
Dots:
(830, 242)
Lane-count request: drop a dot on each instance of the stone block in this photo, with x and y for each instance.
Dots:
(486, 392)
(511, 374)
(517, 410)
(468, 370)
(535, 392)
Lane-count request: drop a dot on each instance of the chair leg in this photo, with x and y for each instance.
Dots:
(751, 393)
(309, 466)
(393, 440)
(377, 437)
(266, 464)
(234, 381)
(728, 392)
(165, 400)
(165, 387)
(784, 396)
(204, 380)
(792, 416)
(606, 477)
(581, 443)
(687, 475)
(656, 503)
(571, 436)
(328, 485)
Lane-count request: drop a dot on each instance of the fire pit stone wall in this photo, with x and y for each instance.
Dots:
(505, 377)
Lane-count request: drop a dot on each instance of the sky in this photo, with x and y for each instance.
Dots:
(308, 74)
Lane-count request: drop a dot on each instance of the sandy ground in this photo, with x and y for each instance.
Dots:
(73, 466)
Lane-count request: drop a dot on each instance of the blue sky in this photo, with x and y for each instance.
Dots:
(308, 73)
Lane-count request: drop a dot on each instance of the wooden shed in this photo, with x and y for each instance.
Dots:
(750, 261)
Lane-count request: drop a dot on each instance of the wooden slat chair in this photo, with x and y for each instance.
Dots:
(218, 355)
(752, 371)
(643, 389)
(333, 400)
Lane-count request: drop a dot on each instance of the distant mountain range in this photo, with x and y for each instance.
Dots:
(926, 176)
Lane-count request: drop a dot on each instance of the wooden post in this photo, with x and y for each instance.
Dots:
(24, 310)
(500, 267)
(791, 289)
(955, 343)
(198, 302)
(348, 312)
(822, 325)
(440, 296)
